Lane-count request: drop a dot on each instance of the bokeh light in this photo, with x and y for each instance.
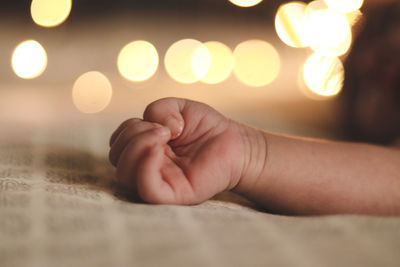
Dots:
(315, 6)
(187, 61)
(50, 13)
(256, 63)
(328, 32)
(344, 6)
(354, 17)
(221, 62)
(289, 24)
(91, 92)
(200, 61)
(245, 3)
(323, 75)
(137, 61)
(29, 59)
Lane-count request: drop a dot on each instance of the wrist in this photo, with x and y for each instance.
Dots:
(254, 165)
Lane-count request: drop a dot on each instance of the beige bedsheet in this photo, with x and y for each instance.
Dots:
(59, 206)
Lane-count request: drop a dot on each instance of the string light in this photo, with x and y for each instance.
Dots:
(137, 61)
(257, 63)
(344, 6)
(29, 59)
(187, 61)
(315, 6)
(323, 25)
(221, 62)
(245, 3)
(289, 24)
(50, 13)
(200, 61)
(323, 75)
(328, 32)
(92, 92)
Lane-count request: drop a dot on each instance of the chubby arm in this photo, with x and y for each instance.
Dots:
(185, 152)
(308, 176)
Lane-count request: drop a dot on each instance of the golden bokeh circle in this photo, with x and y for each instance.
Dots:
(323, 75)
(29, 59)
(289, 23)
(245, 3)
(187, 61)
(256, 63)
(91, 92)
(50, 13)
(221, 64)
(137, 61)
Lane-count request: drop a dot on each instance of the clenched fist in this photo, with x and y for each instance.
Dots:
(181, 152)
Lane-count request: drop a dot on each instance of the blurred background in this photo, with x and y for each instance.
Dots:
(274, 64)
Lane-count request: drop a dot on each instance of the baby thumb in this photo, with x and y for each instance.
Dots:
(167, 112)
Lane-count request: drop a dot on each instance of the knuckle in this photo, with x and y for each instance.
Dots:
(168, 99)
(156, 109)
(126, 133)
(128, 122)
(149, 111)
(130, 131)
(131, 122)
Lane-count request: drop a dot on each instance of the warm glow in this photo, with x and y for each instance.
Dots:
(323, 75)
(315, 6)
(50, 13)
(138, 61)
(344, 6)
(354, 17)
(200, 61)
(221, 62)
(256, 63)
(92, 92)
(29, 59)
(328, 32)
(187, 61)
(245, 3)
(289, 24)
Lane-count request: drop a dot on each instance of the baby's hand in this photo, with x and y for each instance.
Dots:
(182, 152)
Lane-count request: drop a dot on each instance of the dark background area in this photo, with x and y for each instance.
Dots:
(265, 10)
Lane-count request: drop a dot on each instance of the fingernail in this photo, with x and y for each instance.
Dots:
(162, 131)
(175, 125)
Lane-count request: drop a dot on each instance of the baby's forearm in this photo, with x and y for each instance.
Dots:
(306, 176)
